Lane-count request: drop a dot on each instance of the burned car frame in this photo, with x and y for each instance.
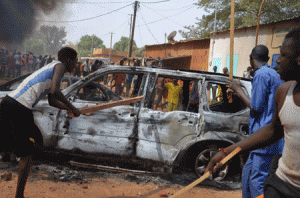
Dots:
(146, 132)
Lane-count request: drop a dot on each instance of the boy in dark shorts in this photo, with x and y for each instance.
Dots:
(21, 135)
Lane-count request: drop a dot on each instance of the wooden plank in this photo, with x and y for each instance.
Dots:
(94, 108)
(116, 169)
(206, 175)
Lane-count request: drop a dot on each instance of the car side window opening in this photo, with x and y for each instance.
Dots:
(92, 92)
(175, 94)
(125, 85)
(222, 99)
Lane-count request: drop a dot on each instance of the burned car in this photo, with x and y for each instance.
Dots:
(208, 117)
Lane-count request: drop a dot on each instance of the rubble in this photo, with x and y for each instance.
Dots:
(83, 176)
(6, 176)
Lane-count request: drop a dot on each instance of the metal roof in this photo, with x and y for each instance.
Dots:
(181, 41)
(272, 22)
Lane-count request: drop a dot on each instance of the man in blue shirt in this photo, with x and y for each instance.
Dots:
(264, 85)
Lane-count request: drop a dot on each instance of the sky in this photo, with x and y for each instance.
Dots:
(154, 19)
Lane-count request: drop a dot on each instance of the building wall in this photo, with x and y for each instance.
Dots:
(115, 57)
(244, 41)
(276, 34)
(198, 49)
(270, 35)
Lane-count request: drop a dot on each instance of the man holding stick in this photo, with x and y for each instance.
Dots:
(285, 123)
(21, 135)
(264, 85)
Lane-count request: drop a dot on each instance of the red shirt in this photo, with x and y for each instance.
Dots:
(119, 78)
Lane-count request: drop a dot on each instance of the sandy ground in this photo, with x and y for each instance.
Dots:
(41, 185)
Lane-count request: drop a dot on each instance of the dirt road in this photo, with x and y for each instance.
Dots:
(51, 182)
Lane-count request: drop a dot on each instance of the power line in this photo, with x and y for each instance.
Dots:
(163, 16)
(109, 2)
(140, 35)
(116, 28)
(155, 1)
(87, 18)
(169, 16)
(175, 8)
(94, 3)
(148, 28)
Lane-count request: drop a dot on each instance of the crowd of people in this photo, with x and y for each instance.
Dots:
(14, 63)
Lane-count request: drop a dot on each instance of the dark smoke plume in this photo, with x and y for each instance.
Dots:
(18, 17)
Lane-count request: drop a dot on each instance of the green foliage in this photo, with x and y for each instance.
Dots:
(246, 14)
(140, 52)
(53, 38)
(123, 45)
(87, 43)
(34, 45)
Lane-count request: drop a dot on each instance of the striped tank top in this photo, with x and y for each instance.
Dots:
(289, 164)
(35, 86)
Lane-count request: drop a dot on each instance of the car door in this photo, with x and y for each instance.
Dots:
(107, 131)
(162, 133)
(224, 112)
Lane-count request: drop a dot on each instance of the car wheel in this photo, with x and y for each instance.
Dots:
(202, 161)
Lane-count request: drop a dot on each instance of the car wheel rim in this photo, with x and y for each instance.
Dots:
(202, 161)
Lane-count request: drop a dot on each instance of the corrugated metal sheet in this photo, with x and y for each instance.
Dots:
(197, 49)
(297, 18)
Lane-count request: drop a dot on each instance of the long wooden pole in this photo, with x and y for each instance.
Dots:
(108, 105)
(231, 38)
(206, 175)
(258, 21)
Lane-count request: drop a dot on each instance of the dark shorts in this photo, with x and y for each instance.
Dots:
(18, 134)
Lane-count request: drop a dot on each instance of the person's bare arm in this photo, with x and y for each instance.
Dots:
(237, 88)
(264, 137)
(56, 98)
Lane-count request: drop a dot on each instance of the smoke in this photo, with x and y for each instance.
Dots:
(18, 18)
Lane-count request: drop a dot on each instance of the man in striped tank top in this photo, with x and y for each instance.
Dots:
(285, 181)
(21, 135)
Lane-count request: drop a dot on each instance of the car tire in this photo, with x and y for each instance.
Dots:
(202, 161)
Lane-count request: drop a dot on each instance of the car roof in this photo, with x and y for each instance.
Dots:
(170, 72)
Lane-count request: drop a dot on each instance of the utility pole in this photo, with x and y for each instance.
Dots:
(92, 45)
(110, 47)
(214, 37)
(133, 26)
(131, 15)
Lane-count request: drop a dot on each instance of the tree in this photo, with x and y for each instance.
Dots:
(72, 45)
(140, 52)
(87, 43)
(246, 13)
(123, 45)
(53, 37)
(34, 45)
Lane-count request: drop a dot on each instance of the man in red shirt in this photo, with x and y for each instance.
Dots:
(119, 81)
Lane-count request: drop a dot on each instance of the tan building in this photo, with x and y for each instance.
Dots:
(271, 35)
(115, 57)
(188, 54)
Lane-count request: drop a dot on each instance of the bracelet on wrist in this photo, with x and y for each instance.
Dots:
(224, 151)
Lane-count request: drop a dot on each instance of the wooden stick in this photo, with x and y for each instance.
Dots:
(258, 21)
(109, 105)
(231, 38)
(206, 175)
